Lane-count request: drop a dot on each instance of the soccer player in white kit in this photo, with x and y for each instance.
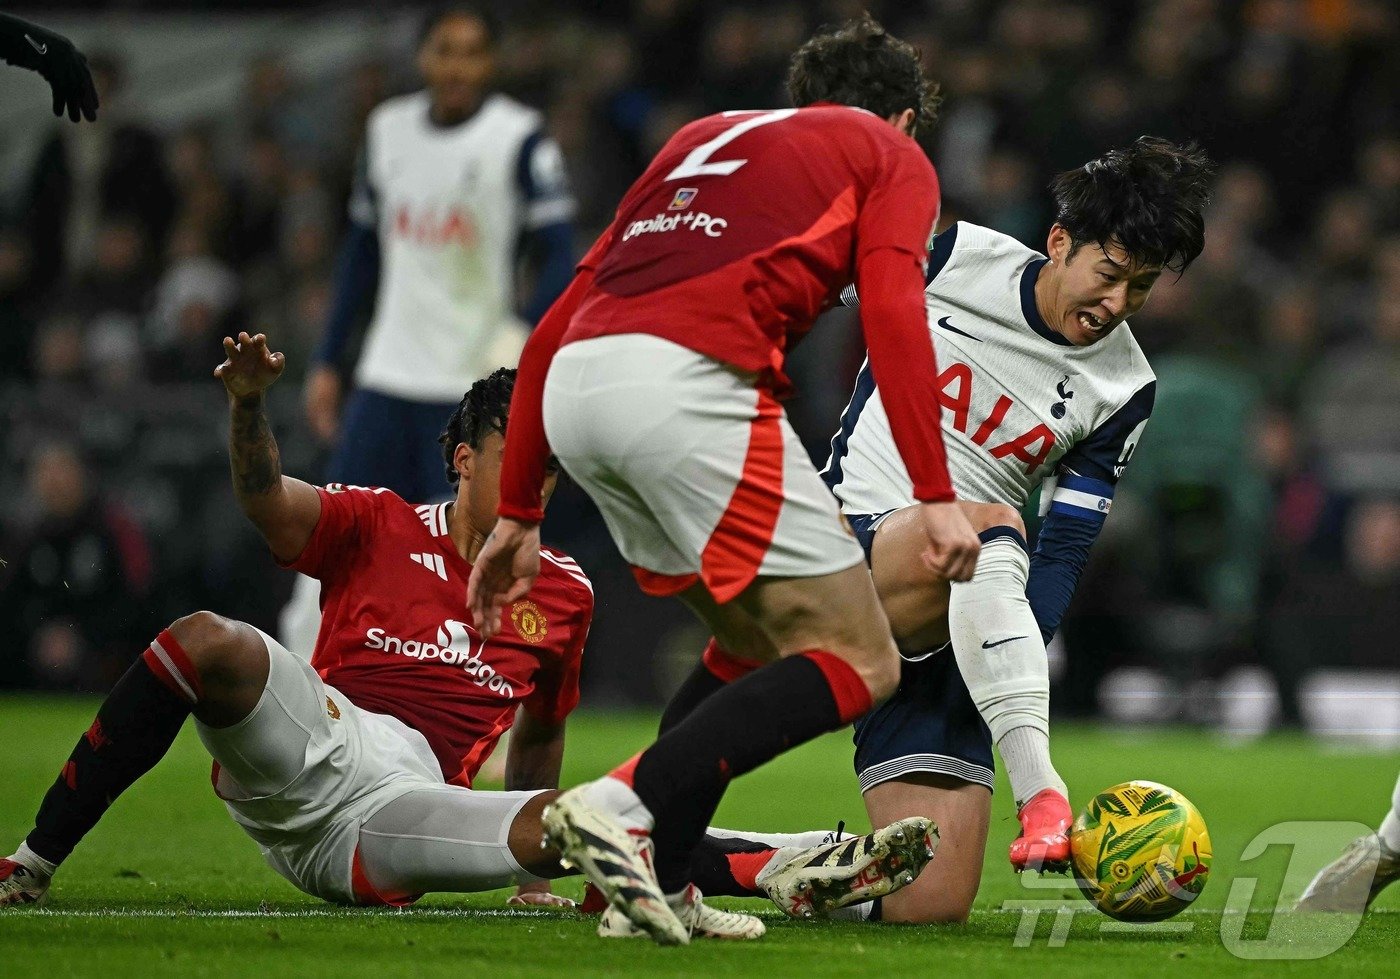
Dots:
(1041, 383)
(451, 180)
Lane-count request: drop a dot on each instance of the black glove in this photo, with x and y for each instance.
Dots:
(63, 66)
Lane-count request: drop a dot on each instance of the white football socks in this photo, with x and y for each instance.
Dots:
(1002, 660)
(1390, 826)
(802, 841)
(853, 912)
(617, 799)
(1025, 751)
(33, 862)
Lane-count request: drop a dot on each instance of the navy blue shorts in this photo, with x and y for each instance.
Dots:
(930, 724)
(392, 443)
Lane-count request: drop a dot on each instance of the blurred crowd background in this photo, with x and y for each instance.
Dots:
(1250, 571)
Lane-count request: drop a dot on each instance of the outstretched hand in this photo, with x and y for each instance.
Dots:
(249, 368)
(505, 569)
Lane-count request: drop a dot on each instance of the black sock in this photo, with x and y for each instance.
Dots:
(135, 726)
(717, 668)
(698, 686)
(682, 777)
(726, 866)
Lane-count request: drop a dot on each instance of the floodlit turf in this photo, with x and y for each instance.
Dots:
(167, 885)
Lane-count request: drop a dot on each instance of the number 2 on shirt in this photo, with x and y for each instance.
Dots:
(696, 162)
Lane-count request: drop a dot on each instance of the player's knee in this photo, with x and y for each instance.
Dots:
(881, 673)
(989, 515)
(218, 647)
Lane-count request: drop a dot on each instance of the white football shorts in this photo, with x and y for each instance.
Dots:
(695, 469)
(307, 768)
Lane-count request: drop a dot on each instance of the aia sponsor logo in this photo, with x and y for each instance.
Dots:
(436, 227)
(454, 647)
(1032, 447)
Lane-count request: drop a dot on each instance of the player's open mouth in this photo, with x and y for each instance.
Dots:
(1092, 323)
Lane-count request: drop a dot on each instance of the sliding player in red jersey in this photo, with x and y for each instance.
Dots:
(664, 366)
(353, 773)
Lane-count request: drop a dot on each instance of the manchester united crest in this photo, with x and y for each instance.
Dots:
(529, 621)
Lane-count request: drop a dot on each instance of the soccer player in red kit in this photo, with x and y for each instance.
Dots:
(655, 380)
(353, 773)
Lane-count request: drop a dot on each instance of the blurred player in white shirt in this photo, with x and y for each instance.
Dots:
(451, 182)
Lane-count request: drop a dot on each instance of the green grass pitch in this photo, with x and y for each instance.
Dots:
(167, 885)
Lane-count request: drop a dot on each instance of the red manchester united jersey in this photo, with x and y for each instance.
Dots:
(746, 226)
(396, 637)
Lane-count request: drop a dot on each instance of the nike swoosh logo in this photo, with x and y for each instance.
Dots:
(953, 329)
(41, 48)
(1000, 642)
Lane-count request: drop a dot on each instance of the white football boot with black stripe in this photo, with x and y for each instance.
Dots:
(813, 882)
(1351, 882)
(20, 885)
(702, 920)
(613, 860)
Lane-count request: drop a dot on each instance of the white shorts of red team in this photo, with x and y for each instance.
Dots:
(307, 768)
(695, 469)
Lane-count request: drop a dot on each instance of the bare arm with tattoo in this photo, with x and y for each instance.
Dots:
(284, 509)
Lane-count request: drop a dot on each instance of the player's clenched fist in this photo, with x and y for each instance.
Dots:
(249, 367)
(953, 545)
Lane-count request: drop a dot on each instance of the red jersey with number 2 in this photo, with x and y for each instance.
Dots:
(747, 225)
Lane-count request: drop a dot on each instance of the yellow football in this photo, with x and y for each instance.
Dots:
(1141, 851)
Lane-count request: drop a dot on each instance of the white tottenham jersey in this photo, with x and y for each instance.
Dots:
(449, 205)
(1019, 401)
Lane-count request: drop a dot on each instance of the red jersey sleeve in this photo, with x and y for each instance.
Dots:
(527, 448)
(556, 691)
(345, 519)
(893, 230)
(901, 208)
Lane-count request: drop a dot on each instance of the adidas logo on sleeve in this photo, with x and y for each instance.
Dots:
(433, 562)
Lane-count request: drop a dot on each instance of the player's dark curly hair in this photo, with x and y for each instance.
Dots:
(860, 63)
(480, 12)
(1149, 198)
(482, 410)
